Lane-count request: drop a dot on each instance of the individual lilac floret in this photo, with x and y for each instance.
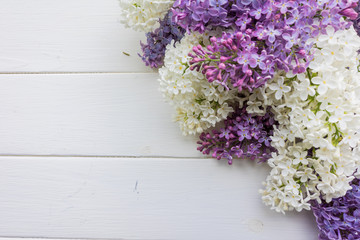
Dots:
(243, 136)
(154, 50)
(340, 219)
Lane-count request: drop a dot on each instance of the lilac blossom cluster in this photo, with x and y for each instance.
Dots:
(234, 59)
(270, 80)
(195, 15)
(340, 219)
(267, 36)
(243, 136)
(154, 49)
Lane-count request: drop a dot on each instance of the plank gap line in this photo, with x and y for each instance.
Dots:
(71, 73)
(64, 238)
(102, 156)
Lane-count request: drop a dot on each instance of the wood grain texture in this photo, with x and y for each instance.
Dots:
(141, 199)
(66, 36)
(88, 114)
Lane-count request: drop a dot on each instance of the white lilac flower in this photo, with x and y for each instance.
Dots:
(199, 104)
(304, 89)
(144, 15)
(300, 157)
(317, 139)
(279, 88)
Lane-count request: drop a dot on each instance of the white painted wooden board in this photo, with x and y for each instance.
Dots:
(127, 198)
(66, 36)
(88, 114)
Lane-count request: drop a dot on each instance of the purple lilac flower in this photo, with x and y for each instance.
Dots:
(256, 11)
(194, 15)
(272, 32)
(268, 36)
(154, 50)
(234, 61)
(243, 136)
(340, 219)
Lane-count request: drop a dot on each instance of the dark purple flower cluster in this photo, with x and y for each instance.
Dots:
(243, 136)
(269, 35)
(340, 219)
(154, 50)
(357, 19)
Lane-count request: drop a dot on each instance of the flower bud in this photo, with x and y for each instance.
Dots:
(353, 5)
(238, 35)
(350, 13)
(211, 79)
(210, 48)
(208, 74)
(302, 52)
(213, 39)
(219, 77)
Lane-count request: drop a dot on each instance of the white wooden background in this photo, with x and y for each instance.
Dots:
(89, 150)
